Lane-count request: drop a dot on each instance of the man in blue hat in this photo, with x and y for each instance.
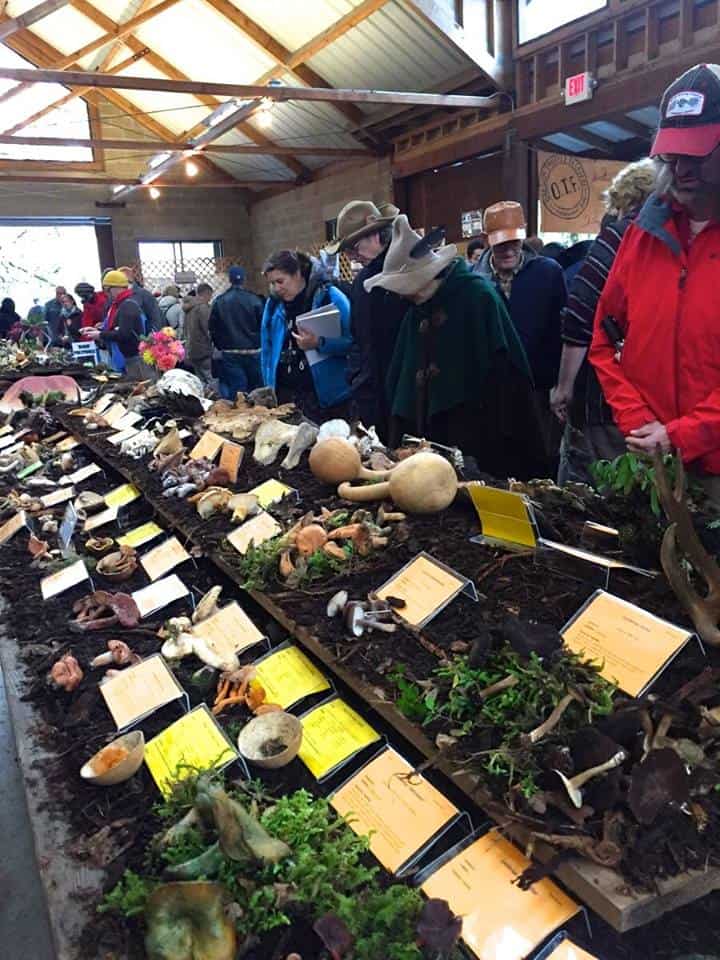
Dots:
(235, 321)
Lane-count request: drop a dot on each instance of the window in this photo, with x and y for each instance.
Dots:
(68, 120)
(187, 262)
(538, 17)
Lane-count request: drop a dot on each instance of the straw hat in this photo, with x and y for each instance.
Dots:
(504, 221)
(359, 218)
(406, 275)
(115, 278)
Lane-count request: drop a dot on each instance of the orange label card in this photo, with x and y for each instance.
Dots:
(207, 446)
(568, 951)
(426, 588)
(500, 921)
(68, 577)
(159, 594)
(288, 676)
(231, 458)
(401, 811)
(57, 496)
(632, 645)
(164, 558)
(332, 733)
(11, 527)
(254, 532)
(228, 631)
(139, 690)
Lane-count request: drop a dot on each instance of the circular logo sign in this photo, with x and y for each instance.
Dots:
(565, 187)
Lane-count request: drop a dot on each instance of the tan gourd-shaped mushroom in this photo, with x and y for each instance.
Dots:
(424, 483)
(336, 460)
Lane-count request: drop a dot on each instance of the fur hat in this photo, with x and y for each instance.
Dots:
(115, 278)
(359, 218)
(504, 221)
(404, 274)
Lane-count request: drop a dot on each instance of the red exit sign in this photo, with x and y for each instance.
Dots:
(578, 88)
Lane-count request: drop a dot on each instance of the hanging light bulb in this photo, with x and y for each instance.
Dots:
(264, 115)
(154, 193)
(191, 168)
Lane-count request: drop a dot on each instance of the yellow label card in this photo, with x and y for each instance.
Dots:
(425, 586)
(68, 577)
(500, 921)
(114, 413)
(503, 515)
(228, 631)
(270, 492)
(100, 519)
(207, 446)
(121, 496)
(140, 690)
(400, 811)
(194, 742)
(332, 733)
(567, 950)
(254, 532)
(632, 645)
(288, 676)
(159, 594)
(57, 496)
(140, 535)
(231, 458)
(69, 443)
(11, 526)
(164, 558)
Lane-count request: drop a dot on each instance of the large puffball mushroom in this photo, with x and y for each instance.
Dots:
(424, 483)
(304, 438)
(270, 438)
(334, 428)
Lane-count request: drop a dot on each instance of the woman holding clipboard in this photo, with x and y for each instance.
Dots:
(304, 365)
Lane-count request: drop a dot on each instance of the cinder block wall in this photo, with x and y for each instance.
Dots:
(297, 218)
(193, 214)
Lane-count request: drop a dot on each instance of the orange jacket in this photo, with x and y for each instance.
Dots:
(665, 295)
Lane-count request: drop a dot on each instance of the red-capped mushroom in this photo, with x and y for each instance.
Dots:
(118, 653)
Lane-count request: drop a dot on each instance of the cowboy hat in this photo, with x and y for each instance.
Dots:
(359, 218)
(406, 275)
(504, 221)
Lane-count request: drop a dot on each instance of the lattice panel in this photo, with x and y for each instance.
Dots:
(158, 274)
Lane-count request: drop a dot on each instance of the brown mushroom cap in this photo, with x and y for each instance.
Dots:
(66, 673)
(310, 539)
(121, 652)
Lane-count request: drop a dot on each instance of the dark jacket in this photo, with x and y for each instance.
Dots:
(55, 322)
(329, 375)
(197, 333)
(149, 306)
(235, 320)
(8, 316)
(375, 322)
(537, 297)
(73, 321)
(123, 325)
(459, 376)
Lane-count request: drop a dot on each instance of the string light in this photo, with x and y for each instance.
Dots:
(191, 168)
(154, 193)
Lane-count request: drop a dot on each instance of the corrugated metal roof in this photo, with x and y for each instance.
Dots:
(293, 26)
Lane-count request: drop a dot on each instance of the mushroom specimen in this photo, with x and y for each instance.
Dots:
(574, 784)
(336, 603)
(270, 438)
(99, 545)
(181, 642)
(170, 444)
(243, 506)
(187, 921)
(424, 483)
(211, 501)
(242, 419)
(102, 609)
(239, 687)
(359, 617)
(304, 438)
(207, 605)
(241, 836)
(66, 673)
(118, 653)
(659, 780)
(118, 566)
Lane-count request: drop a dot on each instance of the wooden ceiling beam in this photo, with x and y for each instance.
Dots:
(171, 71)
(243, 91)
(631, 126)
(592, 139)
(42, 10)
(116, 182)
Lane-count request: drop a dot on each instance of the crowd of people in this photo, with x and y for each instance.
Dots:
(533, 359)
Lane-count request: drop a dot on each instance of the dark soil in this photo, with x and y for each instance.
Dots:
(541, 587)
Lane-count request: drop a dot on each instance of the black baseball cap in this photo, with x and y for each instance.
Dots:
(690, 113)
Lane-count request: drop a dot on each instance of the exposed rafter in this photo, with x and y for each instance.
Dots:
(164, 184)
(30, 16)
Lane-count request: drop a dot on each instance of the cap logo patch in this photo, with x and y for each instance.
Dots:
(687, 103)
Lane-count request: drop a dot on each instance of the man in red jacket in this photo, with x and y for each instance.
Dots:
(660, 371)
(94, 304)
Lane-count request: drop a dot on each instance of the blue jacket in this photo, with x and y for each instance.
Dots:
(329, 375)
(537, 297)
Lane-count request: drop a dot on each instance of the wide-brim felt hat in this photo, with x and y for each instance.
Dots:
(504, 221)
(403, 274)
(359, 218)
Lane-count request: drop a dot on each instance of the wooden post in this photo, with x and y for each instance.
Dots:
(516, 170)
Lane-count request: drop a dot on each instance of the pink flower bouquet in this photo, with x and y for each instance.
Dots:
(162, 349)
